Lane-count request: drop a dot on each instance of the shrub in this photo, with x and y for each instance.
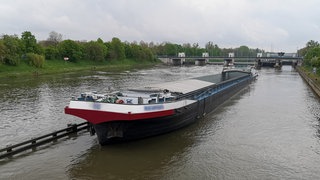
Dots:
(12, 60)
(315, 62)
(35, 60)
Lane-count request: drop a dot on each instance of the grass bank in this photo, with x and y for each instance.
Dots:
(60, 66)
(310, 74)
(311, 78)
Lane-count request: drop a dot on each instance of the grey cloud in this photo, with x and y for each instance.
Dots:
(285, 25)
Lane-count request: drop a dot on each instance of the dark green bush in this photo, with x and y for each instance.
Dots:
(35, 60)
(12, 60)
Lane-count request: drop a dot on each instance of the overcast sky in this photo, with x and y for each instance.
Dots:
(277, 25)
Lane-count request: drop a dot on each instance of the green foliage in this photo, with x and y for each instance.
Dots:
(29, 43)
(35, 60)
(315, 62)
(3, 50)
(242, 51)
(99, 40)
(117, 49)
(187, 48)
(312, 57)
(95, 51)
(312, 44)
(12, 50)
(148, 54)
(309, 46)
(13, 60)
(138, 52)
(213, 49)
(71, 49)
(170, 49)
(13, 44)
(129, 50)
(311, 54)
(51, 52)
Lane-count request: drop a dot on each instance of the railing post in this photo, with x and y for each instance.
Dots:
(9, 149)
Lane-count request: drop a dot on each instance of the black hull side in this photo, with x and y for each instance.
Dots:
(118, 131)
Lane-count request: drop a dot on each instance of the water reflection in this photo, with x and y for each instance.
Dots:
(145, 159)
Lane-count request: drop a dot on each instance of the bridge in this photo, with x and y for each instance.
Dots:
(261, 61)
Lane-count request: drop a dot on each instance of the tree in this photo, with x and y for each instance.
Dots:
(99, 40)
(148, 54)
(13, 49)
(213, 49)
(117, 50)
(170, 49)
(242, 51)
(315, 62)
(195, 47)
(29, 43)
(51, 52)
(187, 49)
(312, 56)
(309, 46)
(95, 51)
(71, 49)
(2, 51)
(129, 50)
(54, 38)
(312, 44)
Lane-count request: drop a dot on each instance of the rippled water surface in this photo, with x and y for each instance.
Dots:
(268, 131)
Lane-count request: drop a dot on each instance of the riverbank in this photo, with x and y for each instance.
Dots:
(313, 80)
(59, 66)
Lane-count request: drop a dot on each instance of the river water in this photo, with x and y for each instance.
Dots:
(270, 130)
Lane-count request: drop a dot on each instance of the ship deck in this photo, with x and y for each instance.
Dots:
(218, 78)
(188, 85)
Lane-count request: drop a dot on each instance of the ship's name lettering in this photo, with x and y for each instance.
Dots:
(153, 108)
(96, 106)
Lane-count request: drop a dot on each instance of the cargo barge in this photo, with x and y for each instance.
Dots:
(158, 108)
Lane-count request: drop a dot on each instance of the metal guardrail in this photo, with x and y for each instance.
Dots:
(38, 141)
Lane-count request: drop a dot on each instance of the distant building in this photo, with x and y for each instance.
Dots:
(205, 54)
(231, 55)
(182, 55)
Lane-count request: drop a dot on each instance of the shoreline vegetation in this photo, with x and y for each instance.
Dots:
(26, 56)
(53, 67)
